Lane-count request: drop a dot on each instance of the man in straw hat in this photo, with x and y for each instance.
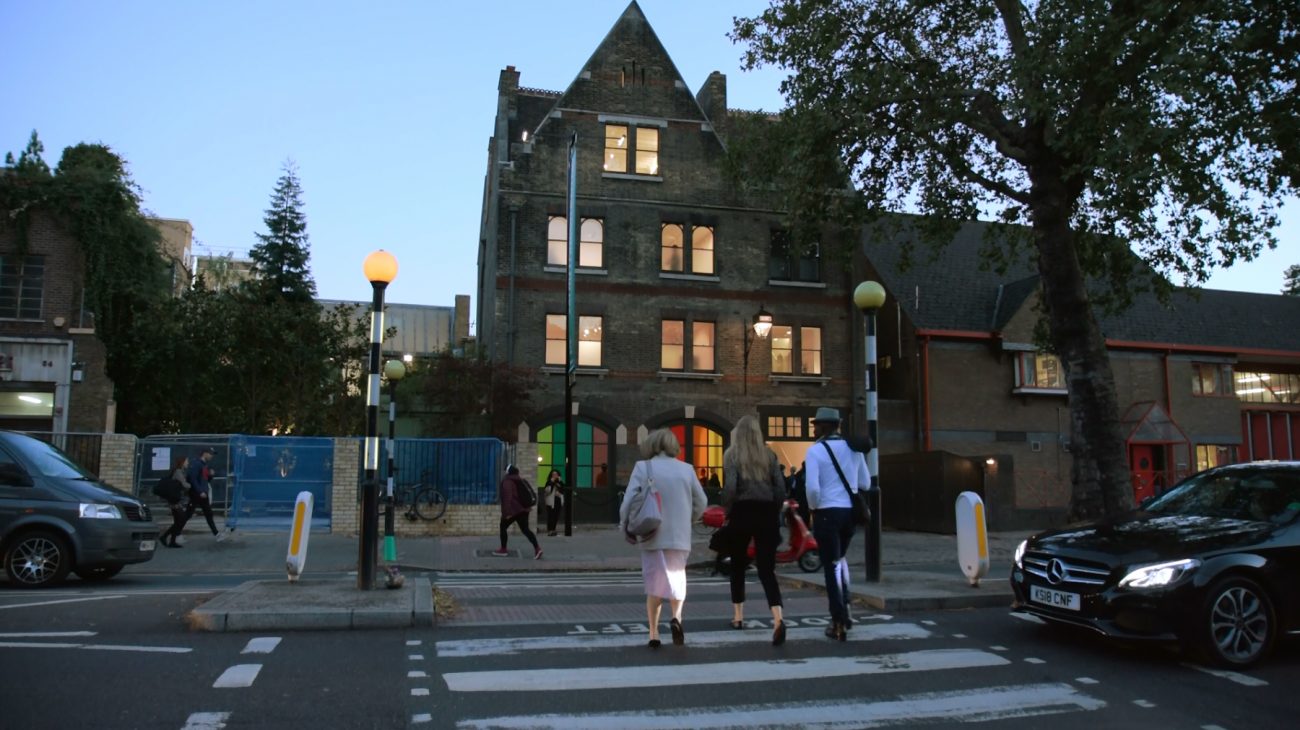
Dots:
(833, 470)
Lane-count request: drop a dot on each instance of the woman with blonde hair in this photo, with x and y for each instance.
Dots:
(664, 554)
(752, 493)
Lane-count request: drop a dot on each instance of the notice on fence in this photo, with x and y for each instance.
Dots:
(162, 457)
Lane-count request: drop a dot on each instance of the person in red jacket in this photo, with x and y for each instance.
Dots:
(514, 510)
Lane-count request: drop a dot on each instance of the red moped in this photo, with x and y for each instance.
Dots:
(801, 549)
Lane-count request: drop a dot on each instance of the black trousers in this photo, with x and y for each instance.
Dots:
(757, 520)
(179, 518)
(205, 505)
(522, 520)
(553, 517)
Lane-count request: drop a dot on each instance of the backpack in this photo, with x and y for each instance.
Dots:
(169, 490)
(527, 495)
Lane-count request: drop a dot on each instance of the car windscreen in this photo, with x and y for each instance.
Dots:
(45, 459)
(1261, 495)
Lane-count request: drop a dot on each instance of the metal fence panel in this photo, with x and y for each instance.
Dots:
(82, 448)
(466, 470)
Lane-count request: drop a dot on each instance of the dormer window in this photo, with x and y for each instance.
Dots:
(640, 144)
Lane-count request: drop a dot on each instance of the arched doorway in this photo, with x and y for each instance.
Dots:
(594, 494)
(702, 447)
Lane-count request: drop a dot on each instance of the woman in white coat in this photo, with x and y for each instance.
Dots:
(664, 554)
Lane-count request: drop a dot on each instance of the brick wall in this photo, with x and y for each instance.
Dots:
(345, 513)
(117, 461)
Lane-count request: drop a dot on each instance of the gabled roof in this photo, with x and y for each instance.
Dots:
(952, 292)
(630, 50)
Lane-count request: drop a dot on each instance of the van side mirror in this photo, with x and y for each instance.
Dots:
(12, 475)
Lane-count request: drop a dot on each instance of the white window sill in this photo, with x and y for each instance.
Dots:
(797, 284)
(1040, 391)
(689, 277)
(821, 380)
(552, 269)
(665, 375)
(559, 370)
(630, 176)
(81, 330)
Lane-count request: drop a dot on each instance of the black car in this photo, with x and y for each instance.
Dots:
(56, 518)
(1213, 563)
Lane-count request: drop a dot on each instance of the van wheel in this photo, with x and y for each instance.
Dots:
(37, 559)
(102, 572)
(1236, 625)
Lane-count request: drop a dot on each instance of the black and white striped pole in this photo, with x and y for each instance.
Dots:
(869, 296)
(380, 268)
(394, 371)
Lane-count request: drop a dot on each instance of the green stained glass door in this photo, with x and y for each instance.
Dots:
(595, 493)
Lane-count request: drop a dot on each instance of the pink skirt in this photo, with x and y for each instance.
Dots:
(664, 573)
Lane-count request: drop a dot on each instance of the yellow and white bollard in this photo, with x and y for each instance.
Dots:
(297, 557)
(972, 539)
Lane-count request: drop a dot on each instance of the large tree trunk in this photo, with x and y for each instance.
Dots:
(1099, 474)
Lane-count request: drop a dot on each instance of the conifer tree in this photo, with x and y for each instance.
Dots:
(280, 258)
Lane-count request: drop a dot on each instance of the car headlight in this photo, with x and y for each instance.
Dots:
(1020, 553)
(92, 511)
(1160, 574)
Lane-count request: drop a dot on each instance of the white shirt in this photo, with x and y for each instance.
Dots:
(821, 480)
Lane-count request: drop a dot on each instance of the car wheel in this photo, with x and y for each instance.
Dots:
(102, 572)
(1237, 624)
(37, 559)
(810, 562)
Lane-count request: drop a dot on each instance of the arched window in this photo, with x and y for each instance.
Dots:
(593, 467)
(702, 448)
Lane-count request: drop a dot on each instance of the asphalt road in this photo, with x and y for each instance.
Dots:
(568, 651)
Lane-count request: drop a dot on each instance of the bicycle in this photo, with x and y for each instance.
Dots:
(422, 500)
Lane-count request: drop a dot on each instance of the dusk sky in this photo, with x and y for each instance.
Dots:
(386, 108)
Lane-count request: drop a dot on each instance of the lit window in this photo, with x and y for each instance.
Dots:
(1261, 387)
(794, 427)
(643, 142)
(786, 350)
(1039, 371)
(791, 261)
(1208, 455)
(589, 340)
(591, 243)
(1211, 379)
(775, 427)
(673, 352)
(675, 256)
(22, 286)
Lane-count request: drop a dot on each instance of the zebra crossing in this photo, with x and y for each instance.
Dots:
(881, 666)
(593, 579)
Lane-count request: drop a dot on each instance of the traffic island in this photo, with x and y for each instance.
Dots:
(267, 605)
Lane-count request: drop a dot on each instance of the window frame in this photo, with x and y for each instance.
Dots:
(792, 263)
(797, 349)
(632, 150)
(583, 244)
(1202, 454)
(1220, 373)
(22, 281)
(1027, 361)
(1260, 387)
(561, 322)
(688, 345)
(689, 248)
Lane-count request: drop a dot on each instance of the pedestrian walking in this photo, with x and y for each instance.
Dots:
(513, 510)
(834, 470)
(553, 498)
(199, 473)
(752, 494)
(175, 502)
(664, 554)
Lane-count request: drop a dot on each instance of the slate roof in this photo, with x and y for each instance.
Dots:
(953, 292)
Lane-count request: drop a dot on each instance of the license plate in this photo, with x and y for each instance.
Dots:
(1057, 599)
(146, 546)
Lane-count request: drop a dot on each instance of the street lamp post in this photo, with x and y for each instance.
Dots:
(869, 296)
(380, 268)
(394, 370)
(762, 326)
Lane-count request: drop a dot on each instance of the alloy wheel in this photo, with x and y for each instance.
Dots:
(37, 559)
(1239, 624)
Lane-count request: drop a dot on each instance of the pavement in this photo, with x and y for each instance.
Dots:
(919, 571)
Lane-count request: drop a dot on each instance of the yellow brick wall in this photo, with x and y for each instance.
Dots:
(117, 461)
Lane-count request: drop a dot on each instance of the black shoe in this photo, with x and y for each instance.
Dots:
(654, 644)
(737, 624)
(835, 632)
(778, 636)
(679, 636)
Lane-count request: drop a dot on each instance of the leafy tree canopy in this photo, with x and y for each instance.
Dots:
(1291, 281)
(471, 396)
(1166, 125)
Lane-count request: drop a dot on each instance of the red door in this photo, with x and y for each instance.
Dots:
(1142, 462)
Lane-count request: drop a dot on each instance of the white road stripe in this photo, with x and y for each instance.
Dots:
(982, 705)
(587, 678)
(484, 647)
(419, 691)
(421, 718)
(40, 634)
(261, 645)
(240, 675)
(101, 647)
(1237, 677)
(65, 600)
(206, 721)
(1027, 617)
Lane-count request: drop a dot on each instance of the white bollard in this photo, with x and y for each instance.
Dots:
(297, 558)
(972, 539)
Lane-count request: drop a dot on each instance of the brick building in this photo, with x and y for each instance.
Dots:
(672, 269)
(674, 265)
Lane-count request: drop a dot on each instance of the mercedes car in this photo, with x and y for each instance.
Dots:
(1213, 563)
